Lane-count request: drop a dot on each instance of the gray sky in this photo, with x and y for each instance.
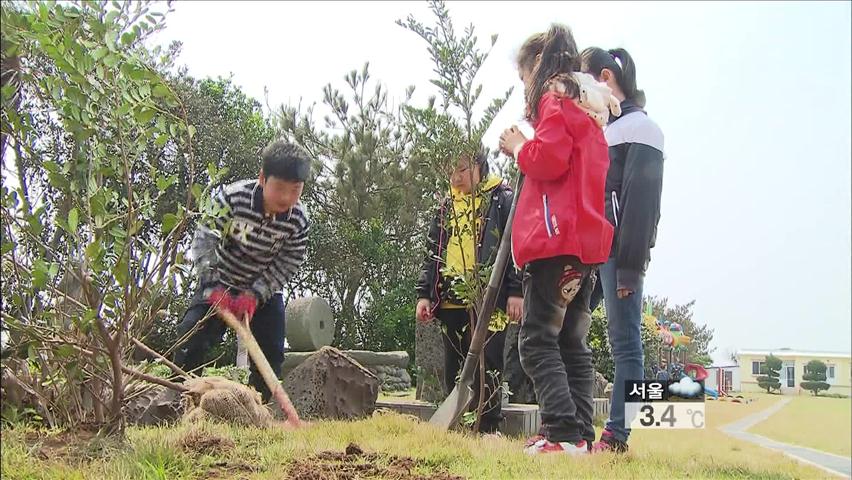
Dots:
(753, 98)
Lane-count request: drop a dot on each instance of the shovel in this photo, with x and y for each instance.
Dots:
(454, 406)
(263, 367)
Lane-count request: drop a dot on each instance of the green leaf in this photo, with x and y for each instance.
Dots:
(51, 166)
(170, 221)
(111, 16)
(191, 131)
(165, 182)
(6, 247)
(161, 140)
(73, 219)
(111, 60)
(110, 39)
(40, 273)
(128, 37)
(123, 109)
(57, 180)
(161, 91)
(120, 271)
(53, 270)
(36, 227)
(144, 115)
(93, 250)
(117, 232)
(100, 53)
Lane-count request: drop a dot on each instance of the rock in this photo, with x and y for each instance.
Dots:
(293, 360)
(158, 406)
(364, 357)
(519, 383)
(429, 361)
(331, 385)
(368, 358)
(389, 367)
(310, 324)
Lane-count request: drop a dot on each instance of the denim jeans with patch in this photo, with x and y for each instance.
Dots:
(553, 348)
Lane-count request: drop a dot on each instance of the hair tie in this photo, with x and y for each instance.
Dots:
(617, 61)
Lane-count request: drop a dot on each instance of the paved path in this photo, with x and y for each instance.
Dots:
(834, 464)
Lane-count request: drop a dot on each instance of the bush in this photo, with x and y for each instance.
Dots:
(771, 374)
(815, 377)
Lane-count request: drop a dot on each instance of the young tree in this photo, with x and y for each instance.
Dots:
(88, 259)
(445, 133)
(814, 377)
(771, 373)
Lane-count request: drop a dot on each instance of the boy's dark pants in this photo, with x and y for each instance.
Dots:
(553, 348)
(457, 334)
(267, 326)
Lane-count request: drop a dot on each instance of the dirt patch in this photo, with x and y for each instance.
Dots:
(230, 470)
(83, 444)
(204, 443)
(354, 464)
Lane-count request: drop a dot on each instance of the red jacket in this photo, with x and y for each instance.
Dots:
(561, 207)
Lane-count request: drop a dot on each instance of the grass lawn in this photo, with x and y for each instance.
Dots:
(221, 451)
(816, 422)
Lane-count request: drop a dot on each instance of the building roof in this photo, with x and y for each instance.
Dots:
(787, 352)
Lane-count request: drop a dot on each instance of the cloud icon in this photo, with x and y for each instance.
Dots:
(686, 387)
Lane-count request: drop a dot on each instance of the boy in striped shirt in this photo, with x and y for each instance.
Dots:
(245, 253)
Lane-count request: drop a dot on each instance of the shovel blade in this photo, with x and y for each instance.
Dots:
(453, 407)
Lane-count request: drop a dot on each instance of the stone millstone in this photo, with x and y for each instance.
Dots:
(310, 324)
(331, 385)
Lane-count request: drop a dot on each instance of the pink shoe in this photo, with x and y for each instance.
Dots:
(546, 446)
(532, 440)
(608, 443)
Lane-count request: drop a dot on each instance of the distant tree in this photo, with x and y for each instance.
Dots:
(815, 377)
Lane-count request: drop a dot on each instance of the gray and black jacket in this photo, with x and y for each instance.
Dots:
(634, 186)
(245, 249)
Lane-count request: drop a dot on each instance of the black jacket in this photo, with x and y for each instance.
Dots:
(431, 285)
(634, 185)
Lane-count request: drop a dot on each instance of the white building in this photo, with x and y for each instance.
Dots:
(723, 378)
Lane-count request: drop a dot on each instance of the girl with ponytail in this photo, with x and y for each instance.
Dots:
(633, 190)
(560, 233)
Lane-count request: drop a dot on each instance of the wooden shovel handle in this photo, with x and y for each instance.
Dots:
(263, 367)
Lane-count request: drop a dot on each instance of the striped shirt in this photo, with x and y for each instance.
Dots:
(246, 249)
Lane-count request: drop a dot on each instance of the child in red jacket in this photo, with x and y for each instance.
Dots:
(560, 234)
